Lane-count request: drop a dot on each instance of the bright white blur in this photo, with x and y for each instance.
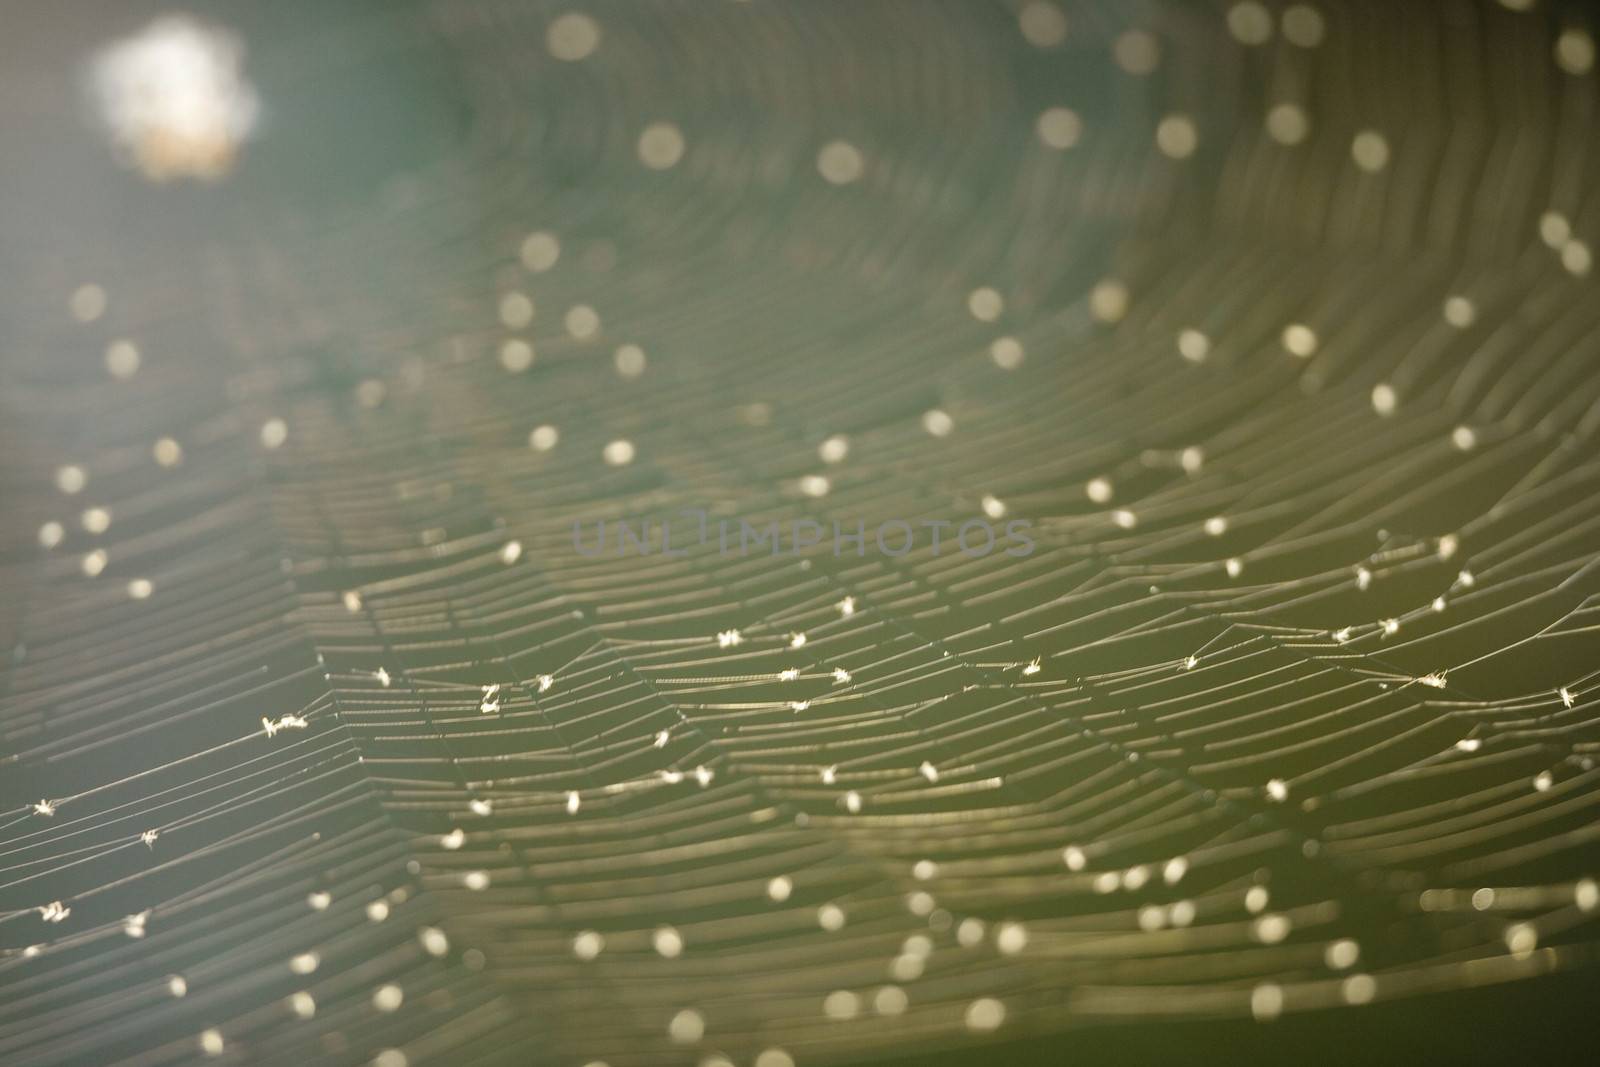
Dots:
(175, 99)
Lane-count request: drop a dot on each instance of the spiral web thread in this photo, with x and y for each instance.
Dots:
(1292, 708)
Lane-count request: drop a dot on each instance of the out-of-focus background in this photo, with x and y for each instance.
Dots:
(322, 324)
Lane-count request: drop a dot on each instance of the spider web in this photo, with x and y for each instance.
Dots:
(323, 741)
